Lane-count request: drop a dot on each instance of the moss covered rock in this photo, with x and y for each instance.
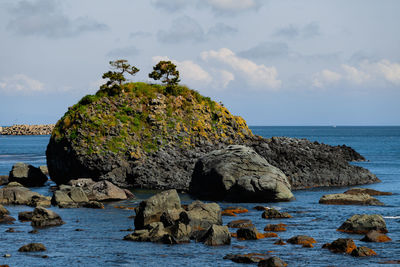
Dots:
(145, 135)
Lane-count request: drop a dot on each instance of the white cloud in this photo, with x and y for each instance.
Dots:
(254, 74)
(188, 70)
(20, 83)
(389, 70)
(233, 5)
(354, 75)
(225, 78)
(325, 77)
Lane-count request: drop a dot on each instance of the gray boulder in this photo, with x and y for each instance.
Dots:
(100, 191)
(15, 194)
(27, 175)
(349, 199)
(42, 217)
(150, 210)
(237, 173)
(203, 215)
(363, 223)
(217, 235)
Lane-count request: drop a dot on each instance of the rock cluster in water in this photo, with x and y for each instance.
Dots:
(24, 129)
(149, 137)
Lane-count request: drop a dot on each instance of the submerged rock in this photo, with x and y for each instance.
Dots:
(27, 175)
(15, 194)
(237, 173)
(240, 224)
(272, 262)
(32, 247)
(304, 240)
(281, 227)
(246, 258)
(375, 236)
(349, 199)
(363, 223)
(341, 245)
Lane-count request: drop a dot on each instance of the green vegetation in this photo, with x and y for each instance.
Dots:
(166, 71)
(137, 119)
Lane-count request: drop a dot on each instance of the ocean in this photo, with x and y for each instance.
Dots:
(100, 241)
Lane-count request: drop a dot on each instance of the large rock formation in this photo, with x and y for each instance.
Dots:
(149, 136)
(238, 173)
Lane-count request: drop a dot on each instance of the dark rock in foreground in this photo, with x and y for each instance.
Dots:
(239, 174)
(32, 247)
(362, 224)
(27, 175)
(349, 199)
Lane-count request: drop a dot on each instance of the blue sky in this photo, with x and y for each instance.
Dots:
(273, 62)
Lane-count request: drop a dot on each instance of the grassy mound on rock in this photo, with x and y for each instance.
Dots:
(139, 118)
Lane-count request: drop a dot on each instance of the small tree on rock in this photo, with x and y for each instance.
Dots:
(166, 71)
(117, 77)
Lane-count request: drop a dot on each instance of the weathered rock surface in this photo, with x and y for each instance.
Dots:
(281, 227)
(341, 245)
(42, 217)
(247, 233)
(32, 247)
(304, 240)
(349, 199)
(362, 224)
(100, 191)
(25, 216)
(363, 252)
(146, 137)
(27, 175)
(150, 210)
(204, 215)
(272, 262)
(3, 179)
(275, 214)
(4, 215)
(240, 223)
(367, 191)
(311, 164)
(375, 236)
(24, 129)
(217, 235)
(15, 194)
(237, 173)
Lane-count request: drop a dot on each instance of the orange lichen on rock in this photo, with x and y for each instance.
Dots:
(235, 210)
(275, 227)
(124, 208)
(234, 235)
(304, 240)
(227, 213)
(280, 242)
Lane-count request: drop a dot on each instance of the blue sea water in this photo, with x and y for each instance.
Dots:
(100, 243)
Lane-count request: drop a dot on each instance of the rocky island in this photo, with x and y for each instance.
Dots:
(151, 136)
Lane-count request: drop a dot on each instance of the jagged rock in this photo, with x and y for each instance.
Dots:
(15, 194)
(240, 224)
(43, 218)
(275, 214)
(341, 245)
(311, 164)
(27, 175)
(362, 252)
(237, 173)
(204, 215)
(217, 235)
(272, 262)
(32, 247)
(349, 199)
(375, 236)
(362, 224)
(150, 210)
(371, 192)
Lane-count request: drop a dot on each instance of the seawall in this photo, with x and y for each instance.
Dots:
(24, 129)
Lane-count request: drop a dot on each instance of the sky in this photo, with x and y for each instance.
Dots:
(273, 62)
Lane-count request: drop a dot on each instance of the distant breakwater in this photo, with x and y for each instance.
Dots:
(24, 129)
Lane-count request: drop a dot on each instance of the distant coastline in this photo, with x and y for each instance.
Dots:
(24, 129)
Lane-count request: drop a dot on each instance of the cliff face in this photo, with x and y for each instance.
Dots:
(145, 136)
(149, 136)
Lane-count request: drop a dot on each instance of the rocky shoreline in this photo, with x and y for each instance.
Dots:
(25, 129)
